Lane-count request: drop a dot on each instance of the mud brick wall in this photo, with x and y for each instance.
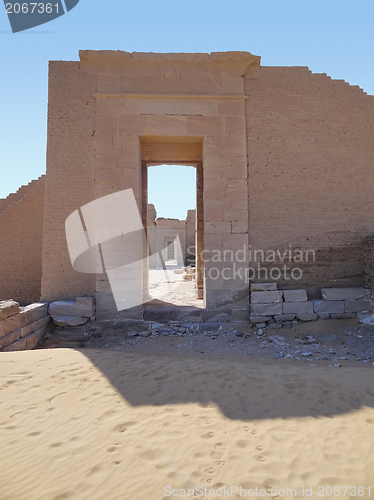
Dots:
(369, 261)
(70, 174)
(21, 233)
(310, 170)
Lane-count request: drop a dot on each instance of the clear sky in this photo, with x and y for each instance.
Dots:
(329, 36)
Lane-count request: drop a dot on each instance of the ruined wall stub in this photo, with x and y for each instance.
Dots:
(143, 105)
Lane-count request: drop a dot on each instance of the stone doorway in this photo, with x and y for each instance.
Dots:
(181, 151)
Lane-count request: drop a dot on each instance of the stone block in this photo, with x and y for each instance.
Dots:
(298, 307)
(35, 325)
(69, 320)
(324, 316)
(10, 338)
(266, 297)
(85, 306)
(27, 315)
(33, 339)
(258, 319)
(351, 306)
(284, 317)
(307, 316)
(328, 306)
(8, 308)
(343, 316)
(19, 345)
(295, 295)
(263, 287)
(266, 309)
(344, 293)
(82, 306)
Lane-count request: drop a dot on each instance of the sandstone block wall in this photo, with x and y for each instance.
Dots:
(21, 234)
(70, 174)
(310, 171)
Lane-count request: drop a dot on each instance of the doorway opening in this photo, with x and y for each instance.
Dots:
(172, 177)
(171, 233)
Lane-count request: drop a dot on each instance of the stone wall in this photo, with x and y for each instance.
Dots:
(21, 233)
(70, 174)
(310, 171)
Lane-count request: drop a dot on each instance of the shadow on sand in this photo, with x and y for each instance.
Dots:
(242, 389)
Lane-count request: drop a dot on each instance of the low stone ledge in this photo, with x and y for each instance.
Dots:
(25, 329)
(27, 315)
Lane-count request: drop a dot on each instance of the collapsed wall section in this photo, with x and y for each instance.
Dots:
(21, 234)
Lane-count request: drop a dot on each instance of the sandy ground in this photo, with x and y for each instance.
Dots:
(97, 424)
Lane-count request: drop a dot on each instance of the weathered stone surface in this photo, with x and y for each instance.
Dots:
(10, 338)
(19, 345)
(35, 325)
(8, 308)
(298, 307)
(82, 306)
(266, 297)
(85, 306)
(344, 293)
(26, 316)
(69, 320)
(258, 319)
(266, 309)
(295, 295)
(307, 316)
(239, 315)
(263, 287)
(351, 306)
(343, 316)
(284, 317)
(33, 339)
(324, 316)
(328, 306)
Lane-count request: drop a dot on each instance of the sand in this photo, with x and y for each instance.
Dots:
(98, 424)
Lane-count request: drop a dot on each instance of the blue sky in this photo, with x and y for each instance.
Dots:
(333, 37)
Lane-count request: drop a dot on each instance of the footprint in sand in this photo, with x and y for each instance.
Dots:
(242, 443)
(97, 474)
(123, 427)
(34, 434)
